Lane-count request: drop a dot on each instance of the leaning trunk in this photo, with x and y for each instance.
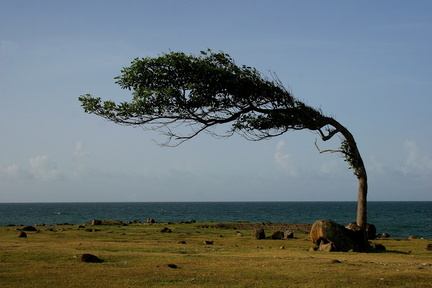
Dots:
(353, 157)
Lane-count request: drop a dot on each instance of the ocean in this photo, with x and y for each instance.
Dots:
(399, 219)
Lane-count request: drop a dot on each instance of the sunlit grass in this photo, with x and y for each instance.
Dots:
(138, 256)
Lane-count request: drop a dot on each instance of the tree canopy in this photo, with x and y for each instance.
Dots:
(199, 92)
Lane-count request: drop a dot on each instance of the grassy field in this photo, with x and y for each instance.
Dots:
(140, 255)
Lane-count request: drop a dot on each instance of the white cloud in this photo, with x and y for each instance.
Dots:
(41, 167)
(80, 150)
(12, 171)
(375, 165)
(285, 161)
(328, 167)
(415, 161)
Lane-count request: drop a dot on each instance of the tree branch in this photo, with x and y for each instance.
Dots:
(328, 150)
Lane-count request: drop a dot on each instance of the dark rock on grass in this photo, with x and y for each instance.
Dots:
(428, 247)
(90, 258)
(91, 230)
(173, 266)
(30, 228)
(258, 234)
(22, 234)
(166, 230)
(288, 234)
(96, 222)
(377, 246)
(208, 242)
(277, 235)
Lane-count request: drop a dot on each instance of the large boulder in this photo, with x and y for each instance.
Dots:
(340, 238)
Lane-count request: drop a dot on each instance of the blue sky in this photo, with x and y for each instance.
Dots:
(369, 65)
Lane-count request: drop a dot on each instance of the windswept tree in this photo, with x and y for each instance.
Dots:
(183, 95)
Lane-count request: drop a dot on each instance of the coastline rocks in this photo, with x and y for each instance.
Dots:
(341, 238)
(22, 234)
(150, 221)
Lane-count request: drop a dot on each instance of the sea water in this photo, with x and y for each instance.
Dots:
(399, 219)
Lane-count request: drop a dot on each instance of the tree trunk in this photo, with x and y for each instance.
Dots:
(362, 202)
(353, 157)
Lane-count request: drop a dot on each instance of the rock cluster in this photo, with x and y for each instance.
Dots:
(330, 236)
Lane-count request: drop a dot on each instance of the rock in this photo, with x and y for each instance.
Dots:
(173, 266)
(385, 235)
(239, 234)
(22, 234)
(90, 258)
(96, 222)
(181, 242)
(312, 249)
(166, 230)
(327, 247)
(29, 228)
(288, 234)
(277, 235)
(377, 246)
(370, 229)
(208, 242)
(341, 238)
(258, 234)
(335, 261)
(428, 247)
(411, 237)
(150, 220)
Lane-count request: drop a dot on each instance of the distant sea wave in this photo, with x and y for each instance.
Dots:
(399, 219)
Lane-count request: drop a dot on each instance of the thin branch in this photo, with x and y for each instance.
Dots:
(328, 150)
